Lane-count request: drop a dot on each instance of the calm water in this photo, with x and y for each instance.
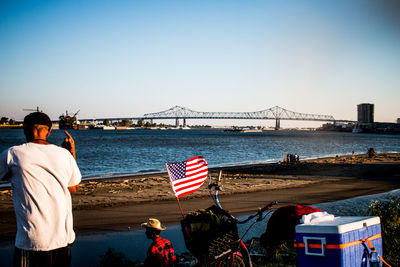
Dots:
(103, 153)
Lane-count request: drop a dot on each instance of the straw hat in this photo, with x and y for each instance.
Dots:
(154, 223)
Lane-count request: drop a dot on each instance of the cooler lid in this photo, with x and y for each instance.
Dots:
(339, 225)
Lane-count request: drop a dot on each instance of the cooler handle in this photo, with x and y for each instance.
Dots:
(322, 240)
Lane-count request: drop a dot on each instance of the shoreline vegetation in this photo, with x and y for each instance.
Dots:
(123, 203)
(13, 126)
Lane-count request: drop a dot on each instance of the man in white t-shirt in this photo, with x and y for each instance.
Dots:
(43, 177)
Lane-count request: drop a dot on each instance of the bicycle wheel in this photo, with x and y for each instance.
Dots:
(238, 260)
(233, 260)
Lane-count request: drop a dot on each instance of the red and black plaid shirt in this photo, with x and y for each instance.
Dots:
(160, 253)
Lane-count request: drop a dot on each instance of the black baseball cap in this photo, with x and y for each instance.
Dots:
(37, 118)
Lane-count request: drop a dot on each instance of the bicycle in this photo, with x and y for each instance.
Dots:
(211, 235)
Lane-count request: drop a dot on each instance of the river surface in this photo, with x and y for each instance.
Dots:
(113, 153)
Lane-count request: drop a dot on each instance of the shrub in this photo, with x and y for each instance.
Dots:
(389, 213)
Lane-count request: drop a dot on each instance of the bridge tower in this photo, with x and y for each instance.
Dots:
(176, 122)
(277, 124)
(184, 122)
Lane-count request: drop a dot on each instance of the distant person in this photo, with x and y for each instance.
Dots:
(292, 158)
(43, 177)
(371, 152)
(160, 252)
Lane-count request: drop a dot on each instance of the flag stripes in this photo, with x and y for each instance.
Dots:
(188, 176)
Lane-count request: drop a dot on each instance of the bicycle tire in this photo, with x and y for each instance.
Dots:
(238, 261)
(234, 260)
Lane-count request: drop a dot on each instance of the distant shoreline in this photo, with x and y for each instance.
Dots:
(316, 129)
(8, 127)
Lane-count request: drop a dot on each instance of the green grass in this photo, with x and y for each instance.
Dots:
(389, 213)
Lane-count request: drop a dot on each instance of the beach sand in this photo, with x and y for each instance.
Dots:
(123, 203)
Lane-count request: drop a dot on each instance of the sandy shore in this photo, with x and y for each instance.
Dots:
(123, 203)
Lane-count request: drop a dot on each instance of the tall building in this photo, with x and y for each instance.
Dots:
(365, 113)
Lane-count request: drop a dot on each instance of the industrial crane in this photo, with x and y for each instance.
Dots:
(30, 109)
(67, 121)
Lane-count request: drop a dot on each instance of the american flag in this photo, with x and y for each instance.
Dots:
(187, 176)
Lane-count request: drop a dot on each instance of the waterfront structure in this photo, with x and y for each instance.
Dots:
(275, 113)
(365, 113)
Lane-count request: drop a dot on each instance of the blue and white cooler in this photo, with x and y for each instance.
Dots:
(342, 241)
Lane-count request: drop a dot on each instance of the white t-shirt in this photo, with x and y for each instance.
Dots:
(40, 177)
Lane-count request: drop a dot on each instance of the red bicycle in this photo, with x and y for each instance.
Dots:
(211, 235)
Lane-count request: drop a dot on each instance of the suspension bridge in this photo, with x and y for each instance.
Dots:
(275, 113)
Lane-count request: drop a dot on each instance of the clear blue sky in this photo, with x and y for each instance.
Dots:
(127, 58)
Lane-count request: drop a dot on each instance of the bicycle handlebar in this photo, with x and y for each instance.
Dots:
(217, 188)
(258, 213)
(269, 206)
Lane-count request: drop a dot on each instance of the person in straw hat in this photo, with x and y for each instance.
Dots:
(160, 252)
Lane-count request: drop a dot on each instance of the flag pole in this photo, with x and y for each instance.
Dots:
(179, 203)
(177, 199)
